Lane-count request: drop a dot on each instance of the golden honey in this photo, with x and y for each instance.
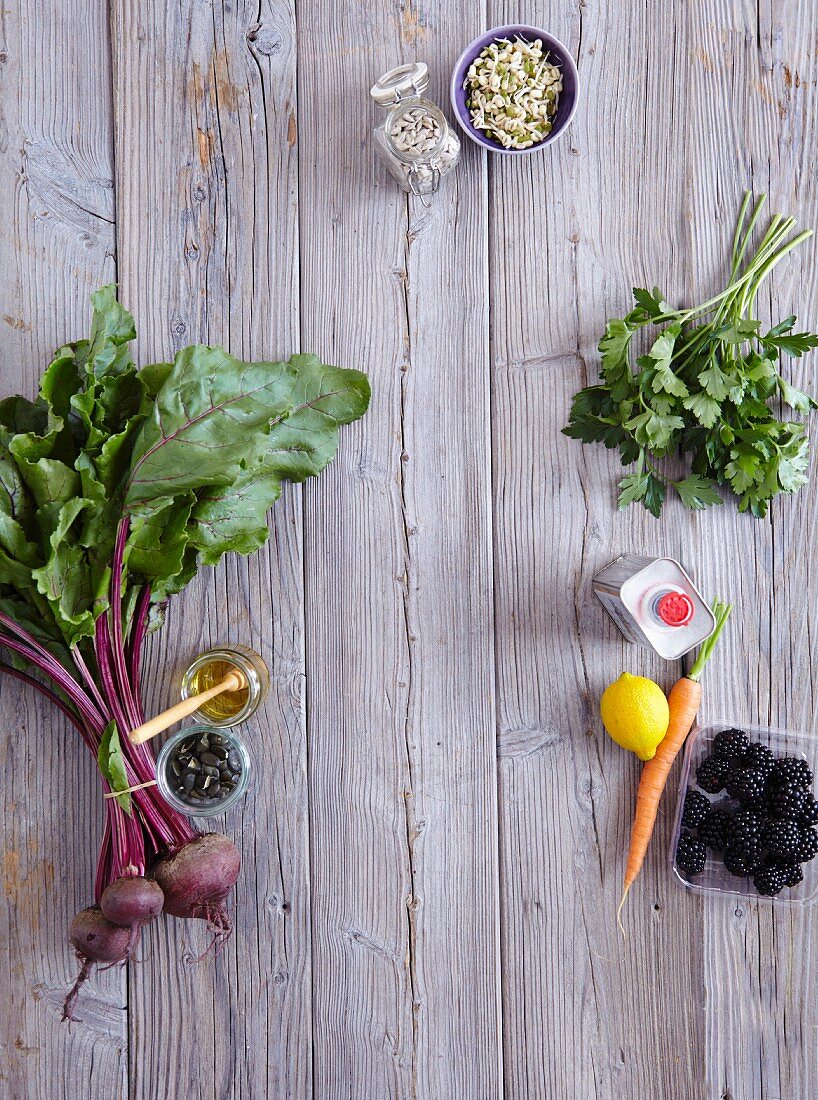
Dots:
(210, 668)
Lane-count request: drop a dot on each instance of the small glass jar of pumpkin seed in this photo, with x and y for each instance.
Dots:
(414, 141)
(228, 708)
(203, 770)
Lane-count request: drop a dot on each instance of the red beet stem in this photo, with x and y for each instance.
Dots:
(139, 629)
(51, 668)
(117, 648)
(66, 708)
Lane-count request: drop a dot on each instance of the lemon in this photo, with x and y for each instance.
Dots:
(635, 713)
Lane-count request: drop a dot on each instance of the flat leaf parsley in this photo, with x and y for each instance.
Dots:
(703, 388)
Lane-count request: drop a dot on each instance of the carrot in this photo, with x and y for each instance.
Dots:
(683, 701)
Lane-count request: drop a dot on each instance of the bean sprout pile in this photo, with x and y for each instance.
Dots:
(512, 91)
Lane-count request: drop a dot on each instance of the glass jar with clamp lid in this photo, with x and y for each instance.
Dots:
(414, 141)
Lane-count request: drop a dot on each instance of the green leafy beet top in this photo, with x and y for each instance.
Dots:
(193, 453)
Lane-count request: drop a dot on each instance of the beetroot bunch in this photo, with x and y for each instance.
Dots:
(193, 881)
(116, 484)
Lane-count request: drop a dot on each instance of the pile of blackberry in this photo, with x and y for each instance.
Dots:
(764, 828)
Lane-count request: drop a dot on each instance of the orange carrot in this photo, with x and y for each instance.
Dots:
(683, 701)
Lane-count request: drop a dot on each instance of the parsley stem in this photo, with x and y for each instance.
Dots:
(655, 470)
(739, 223)
(685, 315)
(769, 252)
(739, 254)
(751, 290)
(741, 292)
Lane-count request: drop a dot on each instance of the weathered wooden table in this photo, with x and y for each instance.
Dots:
(433, 854)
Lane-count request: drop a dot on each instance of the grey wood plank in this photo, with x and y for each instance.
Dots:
(573, 228)
(56, 245)
(756, 68)
(399, 590)
(207, 150)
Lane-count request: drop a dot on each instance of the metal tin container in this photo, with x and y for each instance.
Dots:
(655, 604)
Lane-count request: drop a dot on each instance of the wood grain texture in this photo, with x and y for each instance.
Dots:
(56, 245)
(757, 71)
(434, 848)
(399, 600)
(749, 966)
(358, 658)
(585, 1013)
(209, 240)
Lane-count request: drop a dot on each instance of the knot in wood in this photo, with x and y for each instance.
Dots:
(264, 40)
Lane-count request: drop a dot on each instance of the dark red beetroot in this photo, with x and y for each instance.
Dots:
(196, 880)
(95, 940)
(132, 901)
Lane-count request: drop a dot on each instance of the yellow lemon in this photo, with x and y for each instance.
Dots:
(635, 713)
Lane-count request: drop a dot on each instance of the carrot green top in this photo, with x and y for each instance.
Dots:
(722, 613)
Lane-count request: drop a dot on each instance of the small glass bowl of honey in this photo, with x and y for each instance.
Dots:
(229, 708)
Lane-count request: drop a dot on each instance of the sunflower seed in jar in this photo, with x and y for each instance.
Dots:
(411, 129)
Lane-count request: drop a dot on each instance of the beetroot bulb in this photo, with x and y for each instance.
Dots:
(132, 901)
(197, 879)
(95, 940)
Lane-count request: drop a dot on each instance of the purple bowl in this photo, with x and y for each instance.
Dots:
(568, 97)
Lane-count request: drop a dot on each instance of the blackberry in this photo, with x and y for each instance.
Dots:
(809, 815)
(714, 830)
(731, 743)
(741, 865)
(712, 773)
(791, 769)
(760, 758)
(787, 801)
(793, 873)
(745, 825)
(782, 839)
(695, 809)
(691, 855)
(752, 854)
(770, 880)
(747, 785)
(807, 846)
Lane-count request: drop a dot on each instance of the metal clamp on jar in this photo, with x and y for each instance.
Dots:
(415, 141)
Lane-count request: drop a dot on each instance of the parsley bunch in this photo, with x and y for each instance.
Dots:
(703, 388)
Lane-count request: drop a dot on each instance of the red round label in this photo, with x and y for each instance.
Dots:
(675, 609)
